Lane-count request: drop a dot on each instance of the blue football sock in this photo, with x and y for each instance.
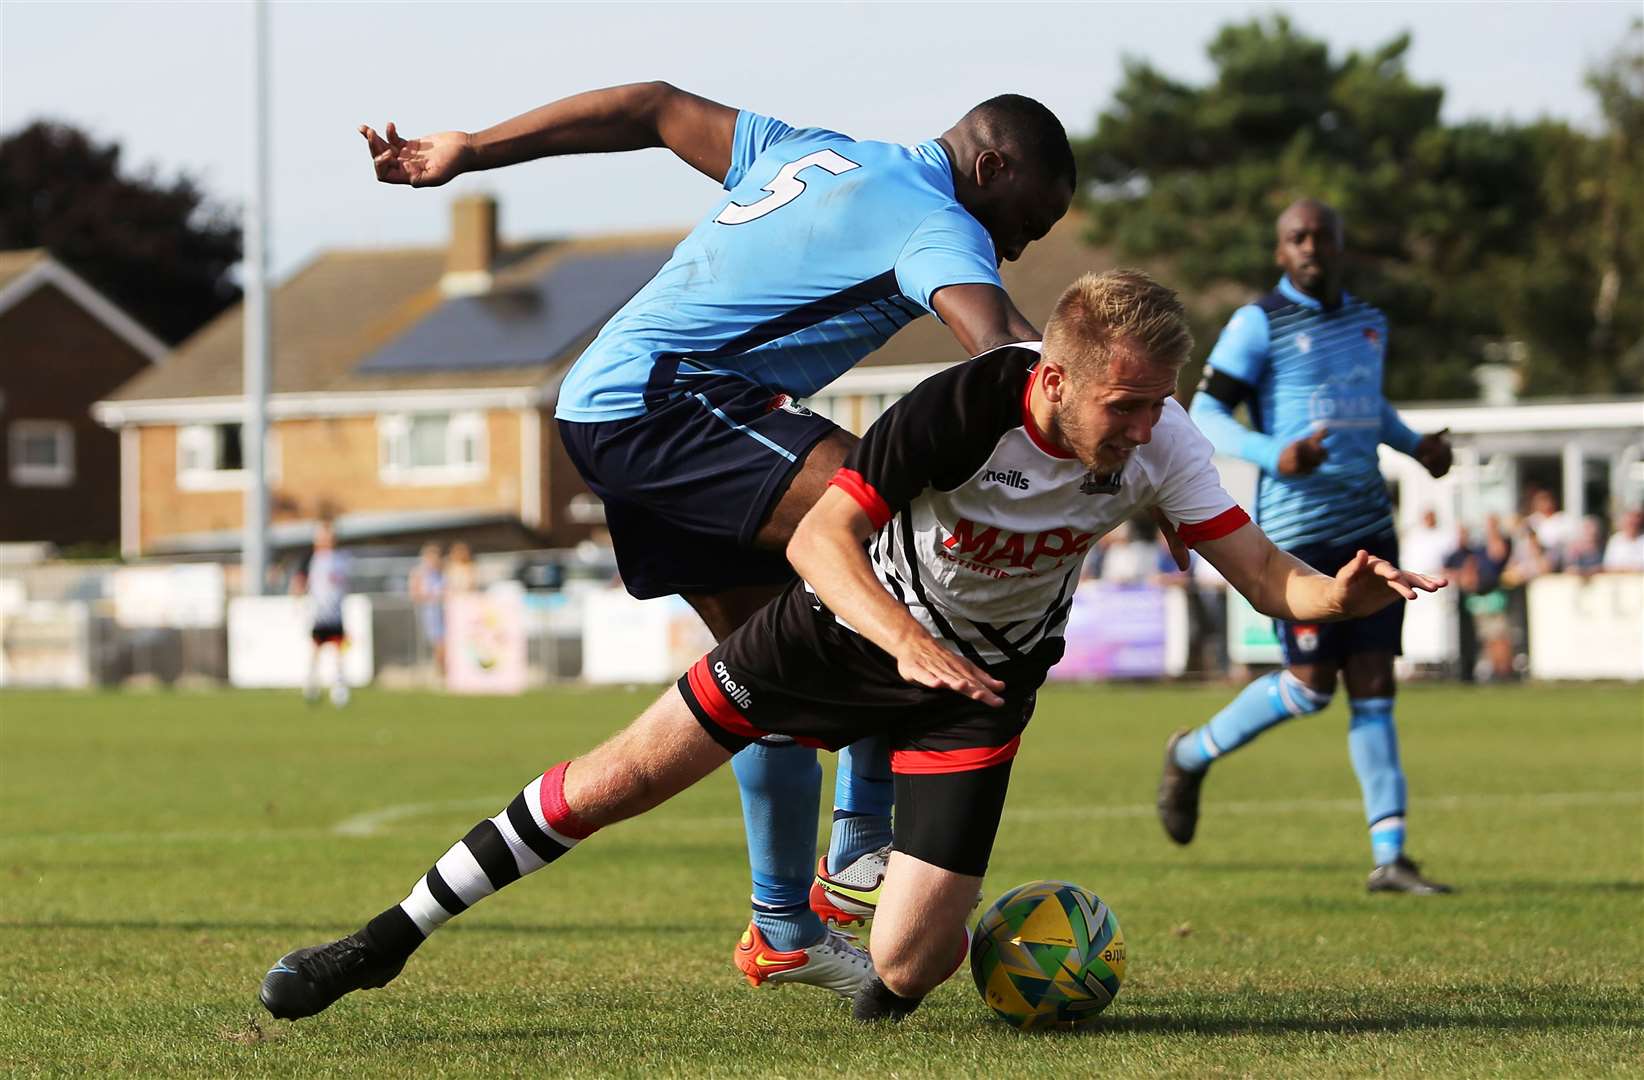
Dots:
(862, 795)
(1373, 744)
(1387, 839)
(781, 786)
(1271, 699)
(784, 927)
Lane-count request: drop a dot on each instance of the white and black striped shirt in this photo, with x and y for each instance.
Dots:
(983, 523)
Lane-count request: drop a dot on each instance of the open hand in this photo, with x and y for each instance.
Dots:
(1433, 451)
(428, 161)
(1304, 455)
(926, 663)
(1368, 583)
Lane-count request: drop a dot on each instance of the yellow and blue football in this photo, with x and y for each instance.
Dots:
(1048, 954)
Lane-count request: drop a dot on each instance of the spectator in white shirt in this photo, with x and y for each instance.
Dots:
(1625, 550)
(1426, 545)
(1553, 527)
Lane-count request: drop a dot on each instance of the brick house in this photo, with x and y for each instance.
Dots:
(411, 396)
(412, 392)
(63, 345)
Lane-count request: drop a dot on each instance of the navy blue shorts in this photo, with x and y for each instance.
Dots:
(1313, 643)
(687, 485)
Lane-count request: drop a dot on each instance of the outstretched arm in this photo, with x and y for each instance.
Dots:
(632, 117)
(827, 551)
(1284, 587)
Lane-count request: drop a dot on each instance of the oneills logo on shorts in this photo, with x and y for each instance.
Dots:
(733, 689)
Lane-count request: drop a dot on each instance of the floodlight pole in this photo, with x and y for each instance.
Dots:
(254, 546)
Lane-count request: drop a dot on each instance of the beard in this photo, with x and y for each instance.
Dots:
(1073, 433)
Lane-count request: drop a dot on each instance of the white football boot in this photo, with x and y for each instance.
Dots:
(835, 963)
(850, 897)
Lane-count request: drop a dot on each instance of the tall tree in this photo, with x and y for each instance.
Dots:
(160, 249)
(1474, 236)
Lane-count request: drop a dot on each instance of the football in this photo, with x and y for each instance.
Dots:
(1047, 954)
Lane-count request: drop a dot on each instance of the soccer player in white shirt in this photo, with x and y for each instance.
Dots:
(936, 576)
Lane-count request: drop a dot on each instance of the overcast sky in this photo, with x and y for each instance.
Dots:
(169, 82)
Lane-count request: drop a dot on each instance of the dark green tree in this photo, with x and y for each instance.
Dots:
(160, 249)
(1463, 233)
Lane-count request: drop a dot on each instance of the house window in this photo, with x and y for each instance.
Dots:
(432, 448)
(41, 453)
(211, 457)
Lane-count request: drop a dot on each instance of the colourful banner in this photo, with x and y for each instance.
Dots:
(485, 649)
(1115, 631)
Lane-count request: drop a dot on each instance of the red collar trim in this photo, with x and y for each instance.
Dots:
(1039, 438)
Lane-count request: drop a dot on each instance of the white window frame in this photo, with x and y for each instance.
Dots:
(59, 473)
(466, 437)
(205, 440)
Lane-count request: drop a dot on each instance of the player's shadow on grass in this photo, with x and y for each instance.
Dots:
(331, 929)
(1335, 868)
(1547, 1008)
(1571, 886)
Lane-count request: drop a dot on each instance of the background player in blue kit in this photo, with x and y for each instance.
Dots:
(680, 413)
(1307, 360)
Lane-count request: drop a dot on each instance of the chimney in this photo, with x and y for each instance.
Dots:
(473, 249)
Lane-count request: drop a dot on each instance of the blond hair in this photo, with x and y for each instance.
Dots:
(1100, 312)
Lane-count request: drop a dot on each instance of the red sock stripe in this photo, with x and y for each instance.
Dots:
(946, 761)
(556, 811)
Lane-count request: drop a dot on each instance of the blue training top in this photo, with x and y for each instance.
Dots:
(824, 248)
(1309, 366)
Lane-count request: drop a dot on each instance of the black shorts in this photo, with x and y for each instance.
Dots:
(793, 670)
(326, 633)
(1312, 643)
(687, 485)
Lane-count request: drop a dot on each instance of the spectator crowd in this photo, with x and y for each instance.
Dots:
(1492, 568)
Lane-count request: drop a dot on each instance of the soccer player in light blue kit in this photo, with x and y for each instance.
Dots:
(681, 414)
(1307, 361)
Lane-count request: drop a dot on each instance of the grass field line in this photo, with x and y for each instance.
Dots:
(375, 822)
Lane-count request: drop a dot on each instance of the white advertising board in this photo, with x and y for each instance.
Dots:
(1250, 636)
(1432, 634)
(639, 641)
(270, 642)
(186, 596)
(46, 644)
(1587, 628)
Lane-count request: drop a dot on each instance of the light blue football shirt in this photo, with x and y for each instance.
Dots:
(824, 248)
(1309, 366)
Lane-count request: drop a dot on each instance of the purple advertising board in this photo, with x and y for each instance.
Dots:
(1114, 632)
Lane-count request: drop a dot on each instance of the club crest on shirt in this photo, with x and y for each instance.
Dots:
(1372, 337)
(1101, 485)
(1304, 343)
(788, 405)
(1307, 637)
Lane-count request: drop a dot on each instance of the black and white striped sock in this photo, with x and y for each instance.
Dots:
(536, 828)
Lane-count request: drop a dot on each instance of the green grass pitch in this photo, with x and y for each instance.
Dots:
(158, 852)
